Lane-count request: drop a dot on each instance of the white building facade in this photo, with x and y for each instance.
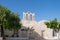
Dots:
(40, 28)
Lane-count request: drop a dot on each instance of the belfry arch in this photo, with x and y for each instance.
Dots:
(28, 16)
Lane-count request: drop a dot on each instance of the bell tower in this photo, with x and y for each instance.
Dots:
(28, 16)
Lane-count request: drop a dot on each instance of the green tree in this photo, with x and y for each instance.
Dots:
(54, 24)
(8, 20)
(3, 12)
(14, 23)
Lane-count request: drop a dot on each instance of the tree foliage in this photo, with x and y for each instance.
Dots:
(14, 22)
(9, 20)
(3, 13)
(53, 24)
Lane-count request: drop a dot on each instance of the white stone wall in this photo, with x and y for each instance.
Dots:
(39, 27)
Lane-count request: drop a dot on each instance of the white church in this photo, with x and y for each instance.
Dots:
(40, 28)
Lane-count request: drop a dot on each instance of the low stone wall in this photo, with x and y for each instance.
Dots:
(15, 38)
(19, 38)
(51, 39)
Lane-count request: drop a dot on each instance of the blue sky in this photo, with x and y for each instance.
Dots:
(43, 9)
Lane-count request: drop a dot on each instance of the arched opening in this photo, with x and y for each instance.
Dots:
(26, 16)
(30, 17)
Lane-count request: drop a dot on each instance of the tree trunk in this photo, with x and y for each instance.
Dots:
(17, 33)
(2, 32)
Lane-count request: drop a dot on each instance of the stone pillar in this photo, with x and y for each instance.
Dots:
(24, 16)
